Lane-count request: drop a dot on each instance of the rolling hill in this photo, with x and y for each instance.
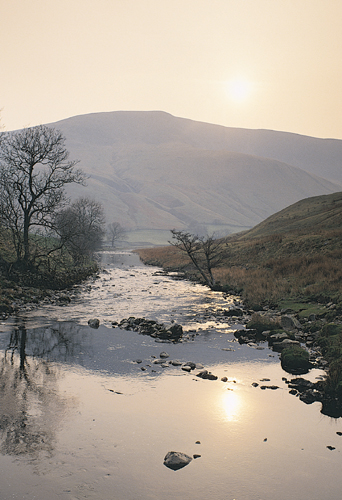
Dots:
(316, 214)
(153, 171)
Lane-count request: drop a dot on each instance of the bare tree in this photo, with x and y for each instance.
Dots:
(81, 228)
(205, 252)
(116, 232)
(34, 168)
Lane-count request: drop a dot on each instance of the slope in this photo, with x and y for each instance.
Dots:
(154, 172)
(319, 213)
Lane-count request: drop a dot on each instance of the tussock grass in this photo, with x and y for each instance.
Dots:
(270, 269)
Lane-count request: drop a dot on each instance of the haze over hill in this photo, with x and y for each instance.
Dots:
(153, 171)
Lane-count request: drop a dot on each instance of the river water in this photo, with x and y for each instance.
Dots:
(86, 414)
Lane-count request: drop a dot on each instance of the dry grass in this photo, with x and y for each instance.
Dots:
(269, 269)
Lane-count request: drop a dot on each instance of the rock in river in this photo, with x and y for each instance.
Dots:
(206, 375)
(94, 323)
(175, 460)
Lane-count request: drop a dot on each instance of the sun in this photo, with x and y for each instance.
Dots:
(239, 89)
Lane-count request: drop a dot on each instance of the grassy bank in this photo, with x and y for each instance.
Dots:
(291, 261)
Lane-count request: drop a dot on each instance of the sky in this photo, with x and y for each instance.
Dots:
(260, 64)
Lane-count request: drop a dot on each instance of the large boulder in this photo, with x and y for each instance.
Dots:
(295, 359)
(175, 460)
(289, 322)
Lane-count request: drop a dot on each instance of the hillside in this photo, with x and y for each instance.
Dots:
(320, 213)
(153, 171)
(295, 253)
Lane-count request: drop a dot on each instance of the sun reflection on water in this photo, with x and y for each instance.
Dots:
(231, 405)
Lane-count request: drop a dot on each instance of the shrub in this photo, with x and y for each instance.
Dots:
(334, 378)
(331, 329)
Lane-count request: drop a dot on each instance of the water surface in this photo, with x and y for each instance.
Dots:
(86, 414)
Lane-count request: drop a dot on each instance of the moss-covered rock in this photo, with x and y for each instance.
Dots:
(295, 359)
(261, 323)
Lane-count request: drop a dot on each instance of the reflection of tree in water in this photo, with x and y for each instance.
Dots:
(30, 404)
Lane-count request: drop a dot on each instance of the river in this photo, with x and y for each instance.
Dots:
(87, 414)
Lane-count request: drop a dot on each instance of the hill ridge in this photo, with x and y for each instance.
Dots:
(154, 172)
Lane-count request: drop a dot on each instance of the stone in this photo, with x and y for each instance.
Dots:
(206, 375)
(163, 355)
(191, 364)
(94, 323)
(289, 322)
(175, 460)
(279, 346)
(279, 336)
(295, 359)
(64, 298)
(176, 330)
(233, 312)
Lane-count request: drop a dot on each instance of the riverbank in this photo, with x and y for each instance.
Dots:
(23, 292)
(291, 322)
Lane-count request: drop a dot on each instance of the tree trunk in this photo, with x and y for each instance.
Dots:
(26, 241)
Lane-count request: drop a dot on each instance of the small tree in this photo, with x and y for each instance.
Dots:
(205, 252)
(34, 169)
(81, 228)
(116, 232)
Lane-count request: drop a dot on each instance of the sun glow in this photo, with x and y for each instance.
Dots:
(239, 89)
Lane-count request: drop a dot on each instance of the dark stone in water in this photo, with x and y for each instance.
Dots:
(175, 460)
(152, 328)
(94, 323)
(206, 375)
(233, 312)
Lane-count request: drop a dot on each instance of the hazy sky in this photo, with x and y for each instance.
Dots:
(274, 64)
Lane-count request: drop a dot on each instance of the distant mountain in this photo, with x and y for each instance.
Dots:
(154, 172)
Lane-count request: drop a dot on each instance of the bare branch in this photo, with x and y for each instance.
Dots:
(34, 170)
